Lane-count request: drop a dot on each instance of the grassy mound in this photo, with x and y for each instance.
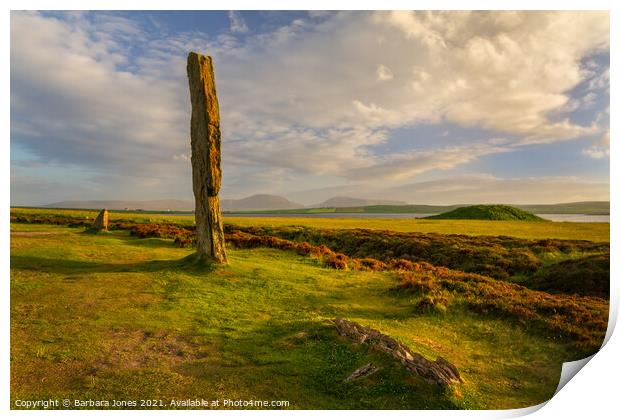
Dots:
(488, 212)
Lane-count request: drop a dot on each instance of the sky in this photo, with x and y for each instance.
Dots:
(423, 107)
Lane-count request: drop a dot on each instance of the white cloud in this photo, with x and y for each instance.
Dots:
(498, 71)
(543, 190)
(384, 73)
(605, 139)
(319, 152)
(317, 14)
(237, 24)
(470, 189)
(69, 93)
(600, 149)
(596, 152)
(600, 81)
(485, 69)
(406, 165)
(307, 99)
(183, 157)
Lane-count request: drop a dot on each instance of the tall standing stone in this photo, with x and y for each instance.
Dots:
(101, 222)
(206, 157)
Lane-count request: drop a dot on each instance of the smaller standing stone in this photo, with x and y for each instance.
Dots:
(101, 222)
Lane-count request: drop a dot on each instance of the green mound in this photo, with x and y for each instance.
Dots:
(487, 212)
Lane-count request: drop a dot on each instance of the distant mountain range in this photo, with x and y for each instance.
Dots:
(278, 204)
(584, 207)
(254, 202)
(149, 205)
(357, 202)
(259, 202)
(581, 207)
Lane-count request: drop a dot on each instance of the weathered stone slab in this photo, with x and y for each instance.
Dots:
(362, 372)
(440, 372)
(206, 157)
(101, 222)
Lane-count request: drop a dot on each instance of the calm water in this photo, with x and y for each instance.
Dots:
(576, 217)
(339, 215)
(552, 217)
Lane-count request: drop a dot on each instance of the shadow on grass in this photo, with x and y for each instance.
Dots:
(133, 240)
(307, 362)
(187, 264)
(150, 242)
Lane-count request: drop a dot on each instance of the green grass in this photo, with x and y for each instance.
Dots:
(597, 232)
(549, 264)
(487, 212)
(110, 316)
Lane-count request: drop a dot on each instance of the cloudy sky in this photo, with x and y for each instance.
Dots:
(437, 108)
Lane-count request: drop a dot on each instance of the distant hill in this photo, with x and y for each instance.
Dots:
(487, 212)
(266, 203)
(409, 208)
(255, 202)
(586, 207)
(259, 202)
(356, 202)
(149, 205)
(582, 207)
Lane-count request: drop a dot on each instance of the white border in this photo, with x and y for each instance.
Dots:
(592, 393)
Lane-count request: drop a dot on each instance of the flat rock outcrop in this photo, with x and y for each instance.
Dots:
(362, 372)
(439, 372)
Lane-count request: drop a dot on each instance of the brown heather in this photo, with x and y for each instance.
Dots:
(464, 280)
(582, 320)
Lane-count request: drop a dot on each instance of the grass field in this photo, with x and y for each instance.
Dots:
(597, 232)
(113, 316)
